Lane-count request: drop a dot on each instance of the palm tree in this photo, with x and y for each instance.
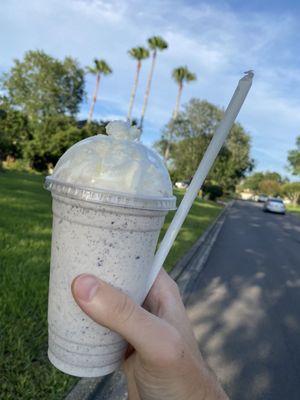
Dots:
(180, 75)
(139, 54)
(99, 68)
(156, 43)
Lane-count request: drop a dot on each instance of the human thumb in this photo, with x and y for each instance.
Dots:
(112, 308)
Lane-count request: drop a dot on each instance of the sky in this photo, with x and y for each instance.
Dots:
(218, 40)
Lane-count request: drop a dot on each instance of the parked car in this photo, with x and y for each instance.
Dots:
(182, 184)
(274, 205)
(261, 198)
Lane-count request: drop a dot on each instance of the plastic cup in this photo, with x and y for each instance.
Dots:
(113, 236)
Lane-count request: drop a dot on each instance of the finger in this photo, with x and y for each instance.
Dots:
(163, 292)
(128, 368)
(112, 308)
(164, 300)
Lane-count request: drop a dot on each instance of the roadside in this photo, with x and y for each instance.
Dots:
(293, 209)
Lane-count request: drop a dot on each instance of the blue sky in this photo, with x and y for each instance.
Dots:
(218, 40)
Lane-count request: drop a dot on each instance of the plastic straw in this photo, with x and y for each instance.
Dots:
(205, 165)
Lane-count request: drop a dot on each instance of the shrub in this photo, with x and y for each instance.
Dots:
(212, 192)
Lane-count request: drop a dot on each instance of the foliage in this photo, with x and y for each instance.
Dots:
(139, 53)
(270, 187)
(212, 192)
(294, 158)
(40, 85)
(14, 131)
(191, 133)
(157, 43)
(53, 136)
(99, 67)
(254, 181)
(292, 191)
(182, 74)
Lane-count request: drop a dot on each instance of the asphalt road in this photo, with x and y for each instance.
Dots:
(245, 306)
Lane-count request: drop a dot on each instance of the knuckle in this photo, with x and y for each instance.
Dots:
(174, 287)
(124, 309)
(172, 351)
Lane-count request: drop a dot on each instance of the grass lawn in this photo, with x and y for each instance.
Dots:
(25, 235)
(293, 209)
(200, 217)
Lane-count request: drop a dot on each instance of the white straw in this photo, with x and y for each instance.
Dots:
(204, 167)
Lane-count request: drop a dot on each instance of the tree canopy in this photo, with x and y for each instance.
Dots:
(191, 133)
(264, 182)
(14, 130)
(292, 191)
(99, 67)
(40, 85)
(183, 74)
(139, 53)
(157, 43)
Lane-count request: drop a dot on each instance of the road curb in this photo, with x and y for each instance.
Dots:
(215, 227)
(185, 272)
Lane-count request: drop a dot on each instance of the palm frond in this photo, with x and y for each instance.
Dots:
(139, 53)
(100, 67)
(157, 43)
(182, 74)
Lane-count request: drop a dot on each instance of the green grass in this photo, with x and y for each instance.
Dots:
(200, 217)
(293, 209)
(25, 235)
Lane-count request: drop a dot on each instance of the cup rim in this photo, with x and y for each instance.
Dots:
(110, 197)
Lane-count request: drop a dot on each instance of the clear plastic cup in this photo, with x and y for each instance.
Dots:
(112, 235)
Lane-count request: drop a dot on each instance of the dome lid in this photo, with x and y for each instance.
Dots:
(101, 167)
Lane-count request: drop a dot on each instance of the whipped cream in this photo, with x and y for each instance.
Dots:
(117, 162)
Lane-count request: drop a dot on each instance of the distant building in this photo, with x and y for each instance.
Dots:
(246, 194)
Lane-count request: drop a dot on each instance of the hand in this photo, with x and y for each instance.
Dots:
(163, 361)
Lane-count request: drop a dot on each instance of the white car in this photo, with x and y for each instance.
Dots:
(261, 198)
(274, 205)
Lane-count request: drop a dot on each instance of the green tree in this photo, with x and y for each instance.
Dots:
(294, 158)
(270, 187)
(192, 132)
(99, 68)
(274, 176)
(139, 54)
(14, 131)
(40, 85)
(253, 182)
(156, 43)
(53, 136)
(292, 191)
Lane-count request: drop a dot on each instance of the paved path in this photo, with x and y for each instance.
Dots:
(245, 306)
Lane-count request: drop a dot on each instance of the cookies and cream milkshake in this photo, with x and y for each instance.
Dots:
(110, 197)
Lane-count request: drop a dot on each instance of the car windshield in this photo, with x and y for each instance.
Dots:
(276, 201)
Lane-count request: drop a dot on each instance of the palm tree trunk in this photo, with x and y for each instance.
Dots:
(90, 117)
(133, 91)
(148, 90)
(176, 110)
(175, 115)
